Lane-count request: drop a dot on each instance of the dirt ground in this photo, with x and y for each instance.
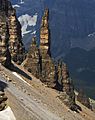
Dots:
(32, 100)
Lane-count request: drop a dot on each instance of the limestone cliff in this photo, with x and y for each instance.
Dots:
(5, 58)
(48, 67)
(15, 41)
(11, 41)
(45, 34)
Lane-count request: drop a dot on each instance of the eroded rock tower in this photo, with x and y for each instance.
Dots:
(11, 46)
(40, 63)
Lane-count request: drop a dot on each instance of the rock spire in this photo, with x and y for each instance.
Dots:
(41, 64)
(5, 57)
(11, 46)
(52, 73)
(16, 46)
(68, 95)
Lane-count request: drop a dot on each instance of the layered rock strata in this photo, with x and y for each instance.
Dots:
(10, 35)
(15, 41)
(41, 65)
(48, 66)
(40, 62)
(3, 99)
(68, 95)
(33, 60)
(5, 57)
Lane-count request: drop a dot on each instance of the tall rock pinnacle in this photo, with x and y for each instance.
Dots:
(52, 73)
(40, 63)
(33, 60)
(67, 96)
(11, 46)
(5, 57)
(15, 41)
(48, 67)
(45, 33)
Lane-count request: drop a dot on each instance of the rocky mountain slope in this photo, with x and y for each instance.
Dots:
(24, 87)
(32, 100)
(72, 25)
(40, 64)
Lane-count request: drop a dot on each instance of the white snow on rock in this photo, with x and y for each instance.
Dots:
(7, 114)
(16, 6)
(21, 1)
(17, 75)
(27, 20)
(20, 78)
(92, 34)
(33, 33)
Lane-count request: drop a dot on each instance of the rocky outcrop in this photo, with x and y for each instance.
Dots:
(5, 57)
(48, 67)
(3, 100)
(15, 41)
(82, 98)
(39, 61)
(67, 95)
(45, 34)
(53, 73)
(10, 35)
(33, 60)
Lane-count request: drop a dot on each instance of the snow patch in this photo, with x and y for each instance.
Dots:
(21, 2)
(25, 21)
(92, 34)
(7, 114)
(20, 78)
(26, 32)
(33, 33)
(16, 6)
(17, 75)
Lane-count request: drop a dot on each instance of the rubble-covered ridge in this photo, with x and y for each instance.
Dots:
(11, 29)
